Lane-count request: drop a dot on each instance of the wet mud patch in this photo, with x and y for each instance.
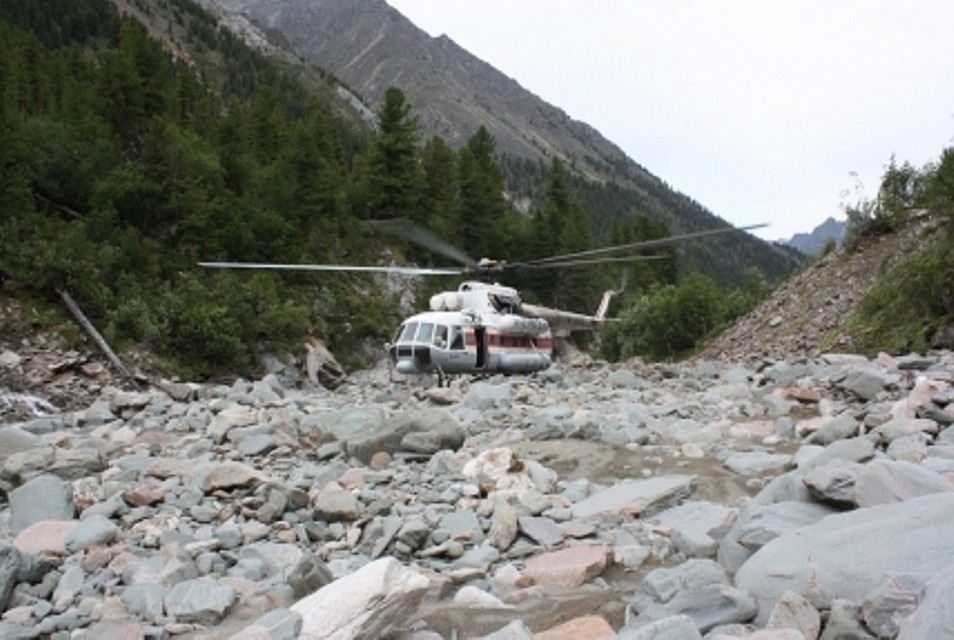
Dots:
(607, 464)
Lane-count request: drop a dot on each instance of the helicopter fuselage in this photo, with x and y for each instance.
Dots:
(475, 329)
(454, 342)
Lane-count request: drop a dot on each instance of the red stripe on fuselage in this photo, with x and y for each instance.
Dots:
(498, 340)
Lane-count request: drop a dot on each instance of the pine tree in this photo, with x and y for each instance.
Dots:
(439, 202)
(482, 204)
(394, 178)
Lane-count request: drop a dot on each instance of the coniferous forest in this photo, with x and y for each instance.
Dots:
(127, 160)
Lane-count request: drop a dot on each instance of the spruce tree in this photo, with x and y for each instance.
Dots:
(394, 178)
(482, 204)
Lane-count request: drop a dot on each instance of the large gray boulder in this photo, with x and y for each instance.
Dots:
(697, 588)
(45, 497)
(365, 432)
(840, 427)
(374, 601)
(277, 624)
(934, 617)
(485, 396)
(882, 481)
(846, 555)
(771, 521)
(14, 439)
(788, 487)
(204, 601)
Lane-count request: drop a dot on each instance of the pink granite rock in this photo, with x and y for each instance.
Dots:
(570, 567)
(585, 627)
(46, 536)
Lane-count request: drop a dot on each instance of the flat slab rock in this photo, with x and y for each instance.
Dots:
(636, 497)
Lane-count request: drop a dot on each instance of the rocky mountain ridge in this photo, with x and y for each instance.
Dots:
(369, 46)
(813, 242)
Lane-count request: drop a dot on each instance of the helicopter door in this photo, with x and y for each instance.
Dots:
(481, 335)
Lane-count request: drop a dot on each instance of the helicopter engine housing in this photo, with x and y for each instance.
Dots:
(446, 301)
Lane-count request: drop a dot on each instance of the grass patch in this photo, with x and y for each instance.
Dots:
(907, 306)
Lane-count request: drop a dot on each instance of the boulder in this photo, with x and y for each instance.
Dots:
(846, 555)
(378, 599)
(365, 432)
(636, 497)
(278, 624)
(934, 616)
(771, 521)
(697, 588)
(570, 567)
(204, 601)
(45, 497)
(884, 481)
(96, 529)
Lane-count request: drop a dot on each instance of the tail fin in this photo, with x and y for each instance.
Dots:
(608, 295)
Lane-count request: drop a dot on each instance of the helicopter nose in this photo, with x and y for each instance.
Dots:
(406, 366)
(410, 358)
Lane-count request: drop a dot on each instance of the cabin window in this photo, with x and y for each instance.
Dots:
(457, 338)
(425, 332)
(407, 332)
(440, 336)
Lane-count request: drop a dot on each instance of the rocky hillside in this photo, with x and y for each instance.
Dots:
(802, 315)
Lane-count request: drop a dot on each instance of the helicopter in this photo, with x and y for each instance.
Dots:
(484, 327)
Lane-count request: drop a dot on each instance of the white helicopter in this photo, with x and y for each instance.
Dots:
(484, 328)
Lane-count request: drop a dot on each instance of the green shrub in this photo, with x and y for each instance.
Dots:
(667, 322)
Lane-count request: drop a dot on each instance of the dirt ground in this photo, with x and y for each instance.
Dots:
(607, 464)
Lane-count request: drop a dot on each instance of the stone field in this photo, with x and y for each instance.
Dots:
(773, 499)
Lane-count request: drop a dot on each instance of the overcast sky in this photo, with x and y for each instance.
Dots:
(761, 110)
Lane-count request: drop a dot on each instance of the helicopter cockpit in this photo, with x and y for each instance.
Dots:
(423, 344)
(442, 336)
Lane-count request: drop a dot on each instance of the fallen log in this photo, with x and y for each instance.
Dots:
(94, 334)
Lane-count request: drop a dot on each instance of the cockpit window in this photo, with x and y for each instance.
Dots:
(425, 332)
(440, 336)
(407, 332)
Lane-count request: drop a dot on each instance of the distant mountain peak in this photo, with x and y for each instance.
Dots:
(814, 242)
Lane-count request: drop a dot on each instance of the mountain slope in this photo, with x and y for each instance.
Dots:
(804, 316)
(370, 47)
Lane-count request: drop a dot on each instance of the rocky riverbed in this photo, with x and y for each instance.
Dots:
(784, 499)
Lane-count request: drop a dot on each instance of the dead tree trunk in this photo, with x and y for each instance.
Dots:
(93, 333)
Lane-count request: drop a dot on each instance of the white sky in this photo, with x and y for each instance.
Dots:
(760, 110)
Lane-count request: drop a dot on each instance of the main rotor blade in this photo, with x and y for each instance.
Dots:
(407, 230)
(633, 246)
(404, 271)
(584, 262)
